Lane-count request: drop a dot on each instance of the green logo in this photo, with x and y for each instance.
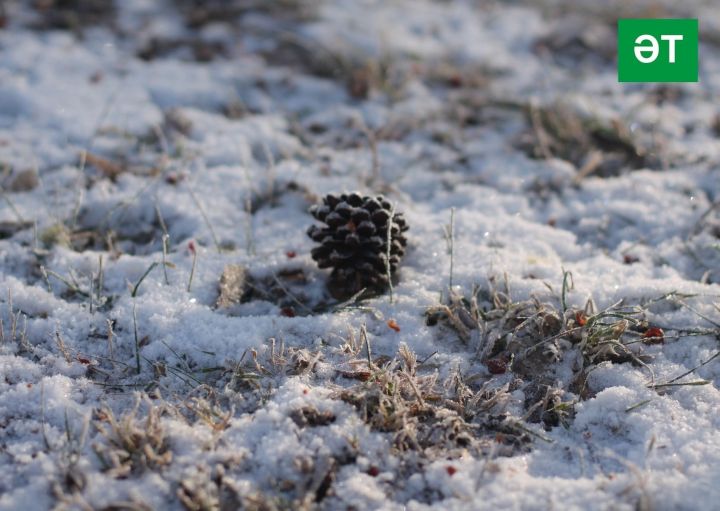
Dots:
(658, 50)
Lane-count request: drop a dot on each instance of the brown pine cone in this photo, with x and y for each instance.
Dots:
(354, 241)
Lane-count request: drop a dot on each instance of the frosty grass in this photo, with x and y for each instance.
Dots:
(128, 128)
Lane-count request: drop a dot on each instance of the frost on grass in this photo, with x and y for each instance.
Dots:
(168, 342)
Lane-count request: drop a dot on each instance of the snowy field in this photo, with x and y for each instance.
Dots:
(168, 342)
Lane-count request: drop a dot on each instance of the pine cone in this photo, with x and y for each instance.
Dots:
(355, 241)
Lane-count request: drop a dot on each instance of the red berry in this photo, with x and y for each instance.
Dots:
(580, 318)
(654, 335)
(173, 178)
(450, 470)
(630, 259)
(496, 366)
(455, 81)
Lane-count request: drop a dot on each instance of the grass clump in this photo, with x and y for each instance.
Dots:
(603, 147)
(538, 340)
(132, 445)
(433, 418)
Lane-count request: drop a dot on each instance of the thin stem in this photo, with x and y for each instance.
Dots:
(705, 362)
(165, 241)
(366, 339)
(388, 270)
(135, 288)
(205, 217)
(567, 276)
(137, 340)
(451, 241)
(192, 270)
(100, 279)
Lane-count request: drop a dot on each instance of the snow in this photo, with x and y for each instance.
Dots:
(227, 156)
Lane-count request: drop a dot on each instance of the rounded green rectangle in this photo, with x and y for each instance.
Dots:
(658, 50)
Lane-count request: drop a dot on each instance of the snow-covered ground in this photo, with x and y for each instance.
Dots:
(149, 148)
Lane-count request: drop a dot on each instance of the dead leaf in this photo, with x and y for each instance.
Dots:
(109, 168)
(232, 285)
(9, 228)
(393, 324)
(24, 181)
